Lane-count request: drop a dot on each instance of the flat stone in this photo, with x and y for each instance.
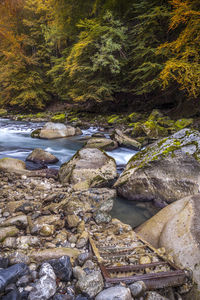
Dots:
(54, 253)
(8, 232)
(20, 221)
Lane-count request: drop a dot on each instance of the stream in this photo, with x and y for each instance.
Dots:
(16, 142)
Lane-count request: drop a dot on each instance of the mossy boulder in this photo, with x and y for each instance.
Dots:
(153, 130)
(91, 165)
(134, 117)
(101, 143)
(3, 112)
(36, 133)
(176, 228)
(113, 119)
(59, 118)
(164, 172)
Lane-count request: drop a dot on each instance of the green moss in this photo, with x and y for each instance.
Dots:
(183, 123)
(113, 119)
(155, 114)
(59, 118)
(3, 112)
(134, 117)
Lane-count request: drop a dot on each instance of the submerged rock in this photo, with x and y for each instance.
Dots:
(91, 165)
(165, 171)
(41, 156)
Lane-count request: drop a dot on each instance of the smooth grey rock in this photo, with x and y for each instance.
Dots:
(41, 156)
(115, 293)
(58, 130)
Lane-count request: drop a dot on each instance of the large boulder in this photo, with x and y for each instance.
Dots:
(91, 165)
(101, 143)
(165, 171)
(41, 156)
(58, 130)
(176, 228)
(126, 141)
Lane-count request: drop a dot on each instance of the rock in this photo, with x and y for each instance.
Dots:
(62, 267)
(57, 130)
(45, 287)
(102, 217)
(73, 220)
(40, 156)
(165, 171)
(183, 123)
(116, 292)
(137, 288)
(47, 230)
(24, 242)
(19, 221)
(11, 274)
(8, 232)
(83, 257)
(145, 260)
(154, 296)
(45, 225)
(4, 261)
(55, 253)
(101, 143)
(126, 141)
(12, 165)
(91, 284)
(18, 257)
(9, 242)
(13, 295)
(91, 165)
(32, 166)
(3, 112)
(176, 228)
(83, 239)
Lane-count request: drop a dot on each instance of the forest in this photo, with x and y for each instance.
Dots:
(102, 51)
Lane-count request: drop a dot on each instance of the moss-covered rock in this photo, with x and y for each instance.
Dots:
(36, 133)
(59, 118)
(126, 141)
(134, 117)
(3, 112)
(183, 123)
(165, 171)
(153, 130)
(113, 119)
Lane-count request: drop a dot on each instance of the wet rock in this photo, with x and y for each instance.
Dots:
(24, 280)
(11, 274)
(91, 165)
(137, 288)
(166, 171)
(91, 284)
(62, 267)
(54, 253)
(58, 130)
(126, 141)
(117, 292)
(45, 287)
(101, 143)
(8, 232)
(154, 296)
(41, 156)
(31, 166)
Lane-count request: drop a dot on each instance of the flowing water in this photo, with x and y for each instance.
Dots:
(16, 142)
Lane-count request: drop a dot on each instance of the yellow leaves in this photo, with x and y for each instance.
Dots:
(183, 65)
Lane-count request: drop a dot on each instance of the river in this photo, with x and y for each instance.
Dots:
(16, 142)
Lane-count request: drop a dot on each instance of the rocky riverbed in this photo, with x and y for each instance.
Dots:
(44, 231)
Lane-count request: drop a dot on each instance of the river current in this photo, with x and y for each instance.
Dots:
(16, 142)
